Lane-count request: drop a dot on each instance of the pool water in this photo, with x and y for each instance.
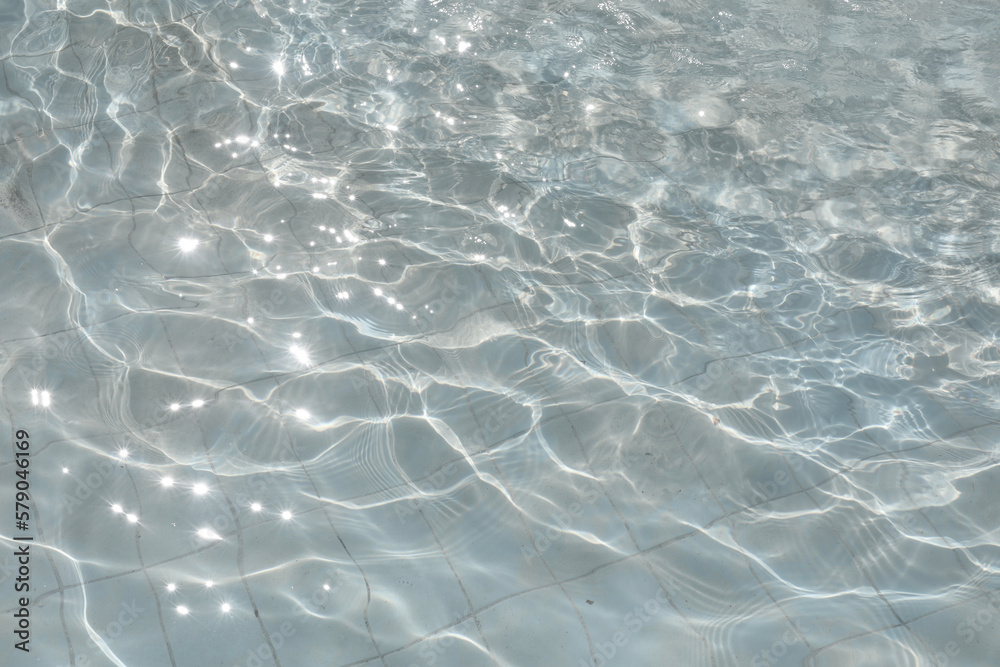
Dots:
(502, 333)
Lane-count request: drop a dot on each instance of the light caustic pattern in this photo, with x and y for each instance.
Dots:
(444, 333)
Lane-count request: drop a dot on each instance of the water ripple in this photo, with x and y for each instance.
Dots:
(504, 334)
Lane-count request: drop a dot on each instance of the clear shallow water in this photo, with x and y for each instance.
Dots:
(503, 333)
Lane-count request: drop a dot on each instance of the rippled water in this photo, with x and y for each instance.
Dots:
(451, 333)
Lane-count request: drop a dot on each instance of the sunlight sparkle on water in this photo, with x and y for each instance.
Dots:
(299, 353)
(208, 534)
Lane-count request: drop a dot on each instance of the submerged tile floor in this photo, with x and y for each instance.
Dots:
(348, 336)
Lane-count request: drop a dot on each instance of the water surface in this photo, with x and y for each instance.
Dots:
(503, 333)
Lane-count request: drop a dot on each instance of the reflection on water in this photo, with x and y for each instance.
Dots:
(490, 334)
